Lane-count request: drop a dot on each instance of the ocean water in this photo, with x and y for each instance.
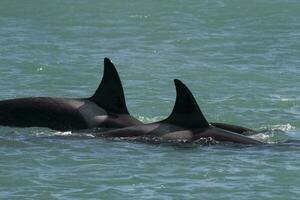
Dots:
(239, 58)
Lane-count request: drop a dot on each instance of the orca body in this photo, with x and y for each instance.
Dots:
(105, 109)
(186, 123)
(233, 128)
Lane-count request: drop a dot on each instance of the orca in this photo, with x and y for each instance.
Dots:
(105, 109)
(185, 123)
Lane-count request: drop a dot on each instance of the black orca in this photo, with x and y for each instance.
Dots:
(185, 123)
(105, 109)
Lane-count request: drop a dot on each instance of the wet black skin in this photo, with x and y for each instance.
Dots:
(105, 109)
(169, 132)
(233, 128)
(60, 114)
(186, 122)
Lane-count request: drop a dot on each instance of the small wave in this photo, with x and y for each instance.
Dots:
(150, 119)
(283, 127)
(139, 16)
(283, 99)
(274, 134)
(30, 133)
(67, 133)
(73, 134)
(159, 140)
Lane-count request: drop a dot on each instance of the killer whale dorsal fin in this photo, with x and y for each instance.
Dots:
(186, 111)
(110, 93)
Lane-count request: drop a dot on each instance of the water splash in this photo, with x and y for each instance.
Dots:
(274, 134)
(282, 127)
(150, 119)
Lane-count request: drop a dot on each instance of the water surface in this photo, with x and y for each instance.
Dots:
(240, 59)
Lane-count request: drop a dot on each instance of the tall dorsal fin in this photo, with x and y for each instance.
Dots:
(110, 94)
(186, 111)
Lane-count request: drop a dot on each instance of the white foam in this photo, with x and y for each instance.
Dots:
(67, 133)
(283, 127)
(150, 119)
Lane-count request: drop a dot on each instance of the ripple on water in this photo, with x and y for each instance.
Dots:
(240, 59)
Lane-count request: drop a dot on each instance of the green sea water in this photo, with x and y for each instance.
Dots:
(239, 58)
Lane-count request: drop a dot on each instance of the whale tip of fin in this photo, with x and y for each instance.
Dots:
(106, 61)
(110, 94)
(186, 111)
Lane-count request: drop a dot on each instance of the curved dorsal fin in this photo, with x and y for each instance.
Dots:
(110, 94)
(186, 111)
